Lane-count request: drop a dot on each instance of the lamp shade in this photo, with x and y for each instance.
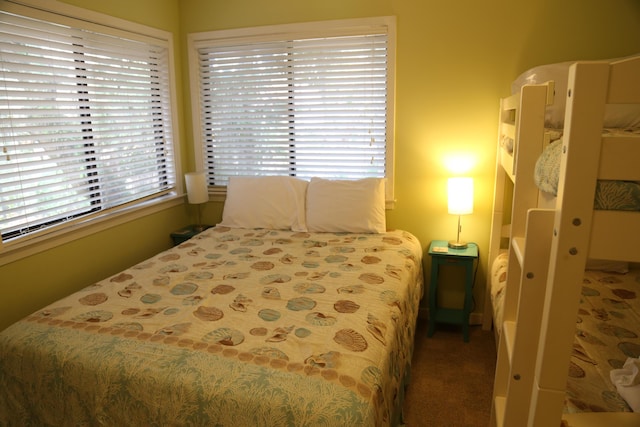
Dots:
(197, 191)
(460, 194)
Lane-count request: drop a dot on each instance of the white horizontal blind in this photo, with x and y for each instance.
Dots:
(297, 106)
(85, 123)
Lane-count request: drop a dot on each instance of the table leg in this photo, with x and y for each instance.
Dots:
(433, 297)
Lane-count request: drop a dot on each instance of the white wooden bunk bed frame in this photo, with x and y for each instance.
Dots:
(550, 240)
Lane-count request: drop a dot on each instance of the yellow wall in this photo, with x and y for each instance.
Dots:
(454, 60)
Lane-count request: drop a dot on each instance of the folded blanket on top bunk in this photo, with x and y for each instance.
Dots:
(610, 195)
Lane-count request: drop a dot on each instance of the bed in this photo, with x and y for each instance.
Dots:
(567, 198)
(241, 325)
(607, 332)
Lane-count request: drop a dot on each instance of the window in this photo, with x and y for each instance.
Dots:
(85, 120)
(301, 100)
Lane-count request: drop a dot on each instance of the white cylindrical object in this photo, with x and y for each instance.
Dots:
(197, 191)
(460, 196)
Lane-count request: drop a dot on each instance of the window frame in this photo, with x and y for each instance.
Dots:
(34, 242)
(346, 27)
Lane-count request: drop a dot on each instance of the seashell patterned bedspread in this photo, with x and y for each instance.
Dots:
(234, 327)
(607, 333)
(608, 328)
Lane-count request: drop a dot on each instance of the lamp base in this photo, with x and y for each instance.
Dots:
(457, 244)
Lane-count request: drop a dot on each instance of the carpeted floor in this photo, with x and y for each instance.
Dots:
(451, 381)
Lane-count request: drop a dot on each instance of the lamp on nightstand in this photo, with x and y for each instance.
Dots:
(197, 193)
(460, 195)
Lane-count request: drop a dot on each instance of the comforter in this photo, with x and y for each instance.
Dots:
(609, 194)
(607, 334)
(233, 327)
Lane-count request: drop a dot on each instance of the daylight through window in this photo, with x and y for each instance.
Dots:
(305, 101)
(85, 122)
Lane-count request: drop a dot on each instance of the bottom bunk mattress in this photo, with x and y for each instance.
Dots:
(233, 327)
(607, 334)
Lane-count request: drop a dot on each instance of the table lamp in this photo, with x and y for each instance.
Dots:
(197, 192)
(460, 195)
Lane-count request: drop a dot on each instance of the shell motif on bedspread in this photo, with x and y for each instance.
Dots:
(301, 303)
(351, 340)
(224, 336)
(209, 314)
(320, 319)
(93, 299)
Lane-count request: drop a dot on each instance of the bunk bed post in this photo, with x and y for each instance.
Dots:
(497, 227)
(586, 97)
(539, 322)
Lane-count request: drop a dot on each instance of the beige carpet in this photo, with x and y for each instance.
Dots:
(451, 381)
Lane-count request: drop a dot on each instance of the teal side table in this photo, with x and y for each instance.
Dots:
(441, 254)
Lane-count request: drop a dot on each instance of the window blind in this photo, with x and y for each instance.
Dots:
(299, 106)
(85, 122)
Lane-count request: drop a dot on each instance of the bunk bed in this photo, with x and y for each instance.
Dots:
(276, 316)
(541, 245)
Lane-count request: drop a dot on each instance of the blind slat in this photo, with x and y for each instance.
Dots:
(295, 106)
(84, 122)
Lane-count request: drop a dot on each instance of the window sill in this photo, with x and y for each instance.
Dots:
(21, 248)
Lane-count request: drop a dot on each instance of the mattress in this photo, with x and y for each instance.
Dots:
(497, 286)
(607, 334)
(233, 327)
(618, 116)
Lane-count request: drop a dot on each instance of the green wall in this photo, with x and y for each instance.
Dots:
(455, 59)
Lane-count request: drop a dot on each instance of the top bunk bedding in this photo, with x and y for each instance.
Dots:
(610, 194)
(233, 327)
(620, 120)
(617, 116)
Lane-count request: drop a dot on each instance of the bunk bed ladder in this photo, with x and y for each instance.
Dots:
(505, 207)
(528, 262)
(529, 245)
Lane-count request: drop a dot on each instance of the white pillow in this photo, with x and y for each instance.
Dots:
(273, 202)
(353, 206)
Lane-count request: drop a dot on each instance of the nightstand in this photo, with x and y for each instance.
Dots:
(441, 255)
(186, 233)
